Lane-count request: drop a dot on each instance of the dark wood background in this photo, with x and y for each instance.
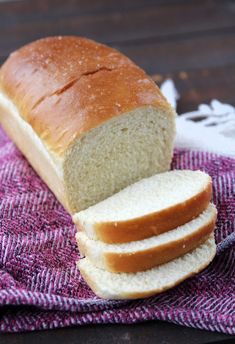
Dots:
(192, 42)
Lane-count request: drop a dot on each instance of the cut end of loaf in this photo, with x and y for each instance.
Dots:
(110, 285)
(118, 153)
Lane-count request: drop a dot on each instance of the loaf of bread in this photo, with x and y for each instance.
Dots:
(148, 207)
(92, 123)
(86, 117)
(145, 254)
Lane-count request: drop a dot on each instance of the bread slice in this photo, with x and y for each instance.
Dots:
(145, 254)
(87, 118)
(149, 207)
(110, 285)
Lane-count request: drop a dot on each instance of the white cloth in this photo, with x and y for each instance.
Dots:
(210, 127)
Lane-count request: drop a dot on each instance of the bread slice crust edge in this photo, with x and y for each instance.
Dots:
(142, 260)
(154, 223)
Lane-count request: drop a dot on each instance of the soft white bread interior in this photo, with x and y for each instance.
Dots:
(123, 150)
(149, 207)
(86, 117)
(145, 254)
(110, 285)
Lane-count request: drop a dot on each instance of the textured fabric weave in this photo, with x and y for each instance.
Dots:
(41, 288)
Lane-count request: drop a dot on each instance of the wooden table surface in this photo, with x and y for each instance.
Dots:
(192, 42)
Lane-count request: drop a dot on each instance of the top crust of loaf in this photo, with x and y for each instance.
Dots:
(85, 83)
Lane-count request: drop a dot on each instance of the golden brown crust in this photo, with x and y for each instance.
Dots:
(85, 83)
(153, 224)
(146, 259)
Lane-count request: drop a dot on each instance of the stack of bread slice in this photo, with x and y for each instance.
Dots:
(148, 237)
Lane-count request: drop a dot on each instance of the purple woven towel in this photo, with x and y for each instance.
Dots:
(38, 254)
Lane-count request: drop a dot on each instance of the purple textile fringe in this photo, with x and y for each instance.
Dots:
(41, 288)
